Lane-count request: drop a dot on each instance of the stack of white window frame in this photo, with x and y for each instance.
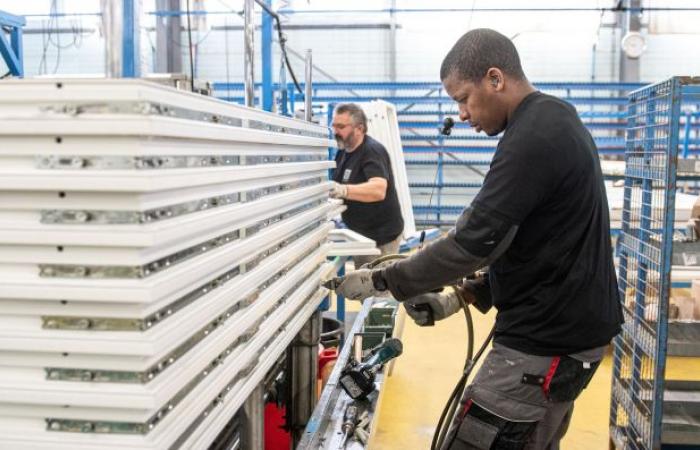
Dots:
(158, 252)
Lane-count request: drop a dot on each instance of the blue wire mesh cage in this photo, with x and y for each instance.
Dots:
(645, 252)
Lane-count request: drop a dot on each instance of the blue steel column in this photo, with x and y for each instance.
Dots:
(130, 42)
(266, 39)
(16, 42)
(11, 51)
(686, 133)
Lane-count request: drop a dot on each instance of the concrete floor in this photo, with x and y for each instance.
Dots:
(426, 373)
(431, 364)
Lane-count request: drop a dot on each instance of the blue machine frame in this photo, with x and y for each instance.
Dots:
(645, 250)
(11, 51)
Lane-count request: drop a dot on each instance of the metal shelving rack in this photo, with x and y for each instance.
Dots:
(645, 251)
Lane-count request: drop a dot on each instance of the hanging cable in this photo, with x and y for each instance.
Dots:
(189, 46)
(282, 40)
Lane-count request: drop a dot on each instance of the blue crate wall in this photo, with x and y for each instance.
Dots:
(645, 250)
(446, 172)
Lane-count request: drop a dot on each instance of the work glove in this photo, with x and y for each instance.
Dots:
(442, 305)
(357, 285)
(339, 190)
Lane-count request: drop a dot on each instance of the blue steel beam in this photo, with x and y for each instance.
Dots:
(638, 10)
(464, 162)
(448, 148)
(9, 56)
(445, 185)
(11, 20)
(266, 39)
(605, 141)
(433, 162)
(18, 49)
(582, 114)
(430, 85)
(11, 51)
(433, 100)
(447, 100)
(130, 41)
(444, 209)
(465, 125)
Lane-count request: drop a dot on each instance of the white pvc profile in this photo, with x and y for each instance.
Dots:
(26, 433)
(383, 125)
(123, 145)
(22, 98)
(345, 242)
(30, 200)
(140, 349)
(173, 232)
(159, 288)
(15, 386)
(161, 237)
(145, 181)
(118, 125)
(202, 438)
(36, 152)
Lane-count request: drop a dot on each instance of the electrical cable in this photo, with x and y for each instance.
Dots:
(189, 46)
(282, 40)
(51, 29)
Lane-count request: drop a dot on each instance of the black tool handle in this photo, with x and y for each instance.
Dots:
(426, 307)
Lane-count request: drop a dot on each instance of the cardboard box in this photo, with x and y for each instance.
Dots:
(695, 293)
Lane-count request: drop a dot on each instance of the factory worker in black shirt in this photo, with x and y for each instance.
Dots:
(363, 178)
(540, 223)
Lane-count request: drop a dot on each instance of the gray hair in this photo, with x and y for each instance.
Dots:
(355, 112)
(477, 51)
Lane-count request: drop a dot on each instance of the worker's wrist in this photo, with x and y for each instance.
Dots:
(481, 292)
(346, 193)
(451, 303)
(378, 280)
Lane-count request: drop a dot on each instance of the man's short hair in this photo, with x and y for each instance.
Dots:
(477, 51)
(355, 112)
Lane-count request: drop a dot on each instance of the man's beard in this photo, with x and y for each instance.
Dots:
(339, 141)
(343, 144)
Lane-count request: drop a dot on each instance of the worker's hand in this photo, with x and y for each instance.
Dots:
(339, 190)
(466, 291)
(442, 305)
(357, 285)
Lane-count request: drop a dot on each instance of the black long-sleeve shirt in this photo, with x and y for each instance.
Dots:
(541, 223)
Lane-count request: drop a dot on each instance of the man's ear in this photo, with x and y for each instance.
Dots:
(495, 78)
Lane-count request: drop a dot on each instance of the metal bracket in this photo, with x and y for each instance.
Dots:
(146, 270)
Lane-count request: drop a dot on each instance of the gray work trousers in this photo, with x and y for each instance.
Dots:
(508, 405)
(389, 248)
